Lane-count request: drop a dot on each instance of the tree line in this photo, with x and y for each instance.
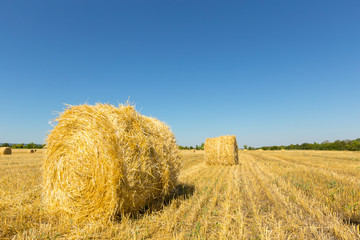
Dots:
(197, 147)
(342, 145)
(22, 145)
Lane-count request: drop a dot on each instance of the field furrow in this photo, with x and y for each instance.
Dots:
(339, 192)
(320, 216)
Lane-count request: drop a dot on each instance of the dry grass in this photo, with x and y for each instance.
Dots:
(269, 195)
(25, 150)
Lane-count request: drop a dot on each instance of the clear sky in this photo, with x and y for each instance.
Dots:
(269, 72)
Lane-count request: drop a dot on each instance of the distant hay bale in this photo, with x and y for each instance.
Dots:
(221, 150)
(283, 150)
(245, 150)
(32, 151)
(5, 151)
(102, 161)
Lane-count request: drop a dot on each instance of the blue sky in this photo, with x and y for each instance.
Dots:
(269, 72)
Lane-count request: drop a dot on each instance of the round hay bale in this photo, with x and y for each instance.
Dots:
(5, 151)
(221, 150)
(102, 161)
(32, 151)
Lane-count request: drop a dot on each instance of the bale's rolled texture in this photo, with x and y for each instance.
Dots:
(102, 161)
(5, 151)
(221, 150)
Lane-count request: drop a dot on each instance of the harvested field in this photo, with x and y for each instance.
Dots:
(269, 195)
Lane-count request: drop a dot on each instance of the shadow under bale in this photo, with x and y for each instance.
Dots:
(180, 192)
(352, 221)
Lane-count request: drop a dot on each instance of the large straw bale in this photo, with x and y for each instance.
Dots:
(102, 161)
(5, 151)
(221, 150)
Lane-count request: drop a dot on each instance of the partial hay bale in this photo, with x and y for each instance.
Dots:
(102, 161)
(5, 151)
(221, 150)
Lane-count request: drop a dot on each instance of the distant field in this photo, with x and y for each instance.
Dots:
(269, 195)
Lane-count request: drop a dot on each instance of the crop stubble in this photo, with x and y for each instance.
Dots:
(269, 195)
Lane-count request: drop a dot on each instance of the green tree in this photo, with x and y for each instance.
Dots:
(354, 146)
(245, 146)
(274, 148)
(31, 145)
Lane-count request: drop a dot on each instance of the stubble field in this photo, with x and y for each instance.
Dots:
(269, 195)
